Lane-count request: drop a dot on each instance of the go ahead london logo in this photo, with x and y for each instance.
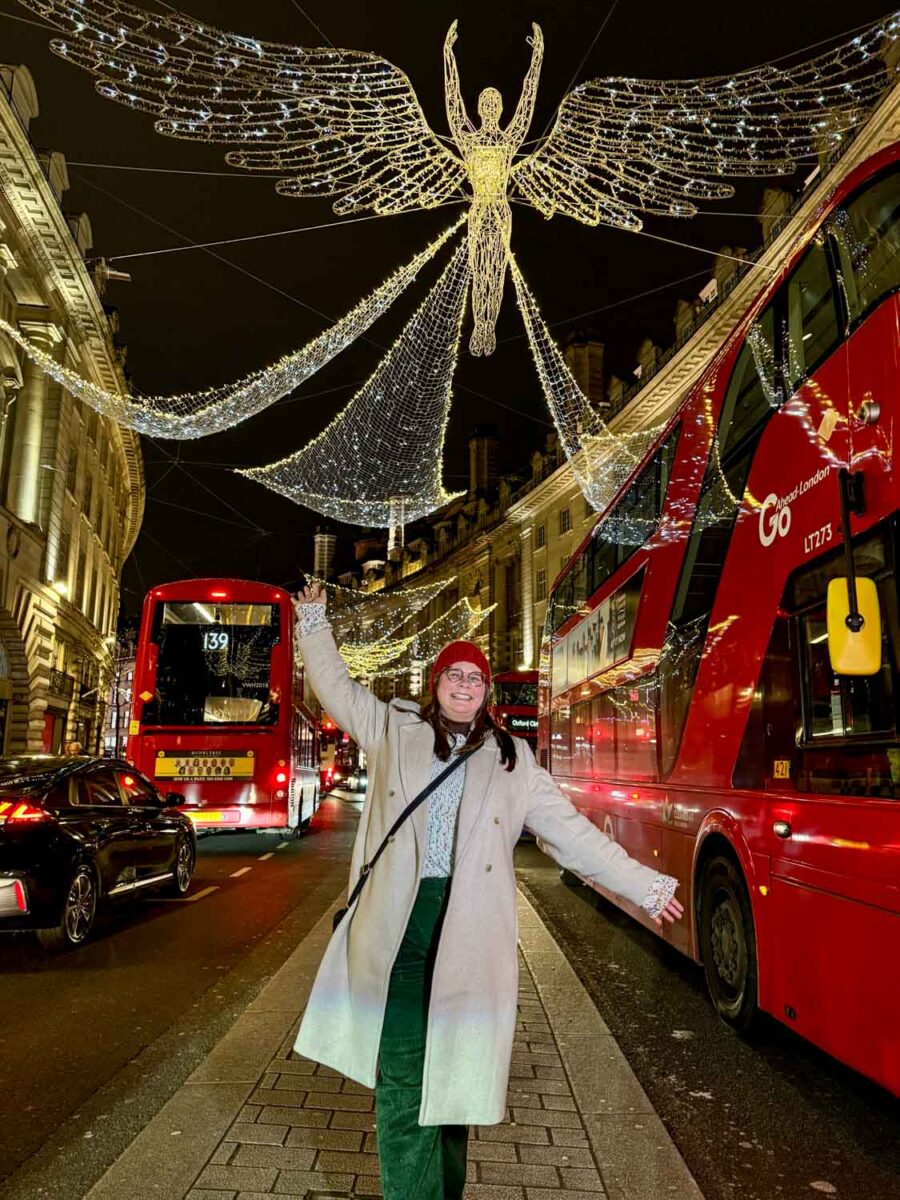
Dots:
(775, 511)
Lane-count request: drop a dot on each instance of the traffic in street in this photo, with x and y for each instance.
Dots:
(95, 1040)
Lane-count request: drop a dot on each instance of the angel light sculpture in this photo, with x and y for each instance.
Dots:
(347, 123)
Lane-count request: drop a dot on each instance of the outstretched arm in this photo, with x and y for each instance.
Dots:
(457, 118)
(352, 707)
(518, 126)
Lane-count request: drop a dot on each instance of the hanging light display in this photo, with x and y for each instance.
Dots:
(601, 460)
(370, 618)
(460, 621)
(198, 414)
(348, 124)
(385, 447)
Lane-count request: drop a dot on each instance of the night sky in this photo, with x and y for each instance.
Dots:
(194, 318)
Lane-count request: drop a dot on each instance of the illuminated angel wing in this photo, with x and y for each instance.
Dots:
(623, 146)
(342, 123)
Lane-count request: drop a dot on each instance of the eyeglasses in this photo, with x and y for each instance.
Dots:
(474, 679)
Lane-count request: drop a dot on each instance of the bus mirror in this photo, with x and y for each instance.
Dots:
(854, 653)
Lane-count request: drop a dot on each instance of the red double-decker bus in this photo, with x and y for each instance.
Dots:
(514, 703)
(699, 704)
(219, 711)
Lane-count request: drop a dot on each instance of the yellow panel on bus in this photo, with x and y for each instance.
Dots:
(175, 764)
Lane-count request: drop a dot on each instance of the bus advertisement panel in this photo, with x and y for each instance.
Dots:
(219, 713)
(697, 700)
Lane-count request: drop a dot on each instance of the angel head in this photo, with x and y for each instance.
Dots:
(490, 106)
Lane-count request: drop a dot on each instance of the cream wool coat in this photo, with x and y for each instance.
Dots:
(472, 1013)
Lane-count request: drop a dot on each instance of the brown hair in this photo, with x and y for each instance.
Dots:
(482, 726)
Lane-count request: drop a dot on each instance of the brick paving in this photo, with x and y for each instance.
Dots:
(306, 1131)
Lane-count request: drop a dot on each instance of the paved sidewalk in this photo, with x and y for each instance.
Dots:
(255, 1122)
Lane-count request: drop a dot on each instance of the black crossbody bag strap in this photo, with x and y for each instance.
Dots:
(407, 812)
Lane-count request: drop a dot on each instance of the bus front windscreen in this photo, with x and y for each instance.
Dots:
(516, 693)
(214, 664)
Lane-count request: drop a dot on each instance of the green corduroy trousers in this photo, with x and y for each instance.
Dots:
(418, 1162)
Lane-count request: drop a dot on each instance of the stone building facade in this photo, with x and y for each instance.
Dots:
(505, 542)
(71, 482)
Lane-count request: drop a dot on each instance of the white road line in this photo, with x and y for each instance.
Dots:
(242, 871)
(281, 845)
(181, 899)
(263, 857)
(199, 895)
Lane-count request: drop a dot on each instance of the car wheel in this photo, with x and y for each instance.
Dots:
(78, 915)
(183, 871)
(728, 943)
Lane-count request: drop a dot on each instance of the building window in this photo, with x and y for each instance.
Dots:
(565, 521)
(78, 595)
(88, 503)
(540, 537)
(62, 557)
(92, 423)
(540, 587)
(72, 470)
(588, 509)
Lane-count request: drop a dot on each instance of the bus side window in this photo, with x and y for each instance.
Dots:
(866, 233)
(812, 321)
(560, 741)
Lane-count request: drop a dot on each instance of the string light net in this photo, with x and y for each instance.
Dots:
(348, 124)
(459, 622)
(381, 456)
(601, 460)
(363, 624)
(198, 414)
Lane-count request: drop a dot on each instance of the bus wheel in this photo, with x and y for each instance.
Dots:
(728, 943)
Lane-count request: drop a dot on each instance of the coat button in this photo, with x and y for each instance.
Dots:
(488, 867)
(496, 820)
(391, 792)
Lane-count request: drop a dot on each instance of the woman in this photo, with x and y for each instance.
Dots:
(416, 993)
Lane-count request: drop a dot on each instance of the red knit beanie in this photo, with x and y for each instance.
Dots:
(455, 652)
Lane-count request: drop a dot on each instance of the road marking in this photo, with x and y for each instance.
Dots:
(242, 871)
(180, 899)
(281, 845)
(263, 857)
(208, 891)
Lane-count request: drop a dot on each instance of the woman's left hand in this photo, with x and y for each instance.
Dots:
(673, 912)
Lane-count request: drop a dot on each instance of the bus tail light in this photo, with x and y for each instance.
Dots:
(19, 896)
(281, 777)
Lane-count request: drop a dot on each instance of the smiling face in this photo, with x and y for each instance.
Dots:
(458, 696)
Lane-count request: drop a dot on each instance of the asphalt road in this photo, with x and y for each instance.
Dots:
(93, 1042)
(771, 1120)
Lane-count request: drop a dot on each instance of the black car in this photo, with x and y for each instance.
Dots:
(77, 831)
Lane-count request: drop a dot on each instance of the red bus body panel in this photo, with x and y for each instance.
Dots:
(826, 900)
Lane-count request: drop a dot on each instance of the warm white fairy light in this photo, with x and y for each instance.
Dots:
(359, 618)
(386, 445)
(198, 414)
(460, 621)
(347, 123)
(601, 460)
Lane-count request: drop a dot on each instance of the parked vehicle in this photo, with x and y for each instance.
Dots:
(75, 832)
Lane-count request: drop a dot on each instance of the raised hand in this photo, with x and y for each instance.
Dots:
(311, 595)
